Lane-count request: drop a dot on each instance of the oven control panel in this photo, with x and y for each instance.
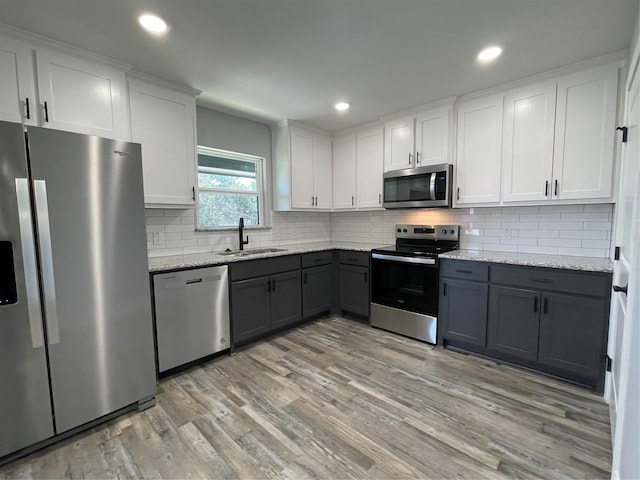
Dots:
(432, 232)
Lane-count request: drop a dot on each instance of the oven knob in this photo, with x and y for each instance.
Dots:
(452, 232)
(404, 230)
(444, 231)
(399, 230)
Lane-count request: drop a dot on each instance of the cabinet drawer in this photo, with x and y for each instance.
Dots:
(317, 258)
(267, 266)
(583, 283)
(354, 258)
(468, 270)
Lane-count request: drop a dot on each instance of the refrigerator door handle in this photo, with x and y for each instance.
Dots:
(29, 262)
(46, 257)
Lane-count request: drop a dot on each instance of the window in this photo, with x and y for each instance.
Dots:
(230, 186)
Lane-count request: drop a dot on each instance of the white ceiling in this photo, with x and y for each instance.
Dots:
(275, 59)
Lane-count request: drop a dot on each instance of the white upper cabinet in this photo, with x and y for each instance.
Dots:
(163, 120)
(527, 155)
(418, 140)
(344, 172)
(432, 137)
(399, 142)
(18, 102)
(369, 166)
(79, 95)
(302, 177)
(585, 132)
(479, 151)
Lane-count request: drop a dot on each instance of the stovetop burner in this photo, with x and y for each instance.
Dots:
(423, 240)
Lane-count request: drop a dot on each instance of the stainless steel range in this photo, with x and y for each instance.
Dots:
(404, 280)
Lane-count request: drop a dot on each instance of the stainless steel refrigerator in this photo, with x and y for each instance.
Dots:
(76, 335)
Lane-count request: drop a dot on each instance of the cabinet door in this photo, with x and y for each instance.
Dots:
(432, 137)
(301, 148)
(286, 299)
(163, 121)
(354, 289)
(463, 311)
(573, 333)
(344, 173)
(18, 101)
(398, 147)
(81, 96)
(479, 153)
(369, 164)
(514, 321)
(528, 143)
(322, 177)
(317, 288)
(250, 308)
(585, 130)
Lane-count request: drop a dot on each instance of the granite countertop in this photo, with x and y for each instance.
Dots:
(178, 262)
(585, 264)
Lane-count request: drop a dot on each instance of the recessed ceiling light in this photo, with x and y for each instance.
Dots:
(488, 54)
(152, 23)
(342, 106)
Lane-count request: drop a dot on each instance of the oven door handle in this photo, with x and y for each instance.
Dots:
(396, 258)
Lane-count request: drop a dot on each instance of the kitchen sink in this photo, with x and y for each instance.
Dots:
(250, 251)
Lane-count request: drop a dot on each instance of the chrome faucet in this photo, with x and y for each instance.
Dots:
(240, 239)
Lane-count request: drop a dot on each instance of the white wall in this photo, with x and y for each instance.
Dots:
(576, 230)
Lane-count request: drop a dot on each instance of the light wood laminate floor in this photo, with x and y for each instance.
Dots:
(338, 399)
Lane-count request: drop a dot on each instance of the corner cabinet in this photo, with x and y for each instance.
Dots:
(551, 320)
(302, 168)
(163, 120)
(358, 170)
(419, 140)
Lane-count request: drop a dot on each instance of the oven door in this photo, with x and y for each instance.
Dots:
(405, 283)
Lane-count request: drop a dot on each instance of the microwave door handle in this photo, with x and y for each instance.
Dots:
(432, 185)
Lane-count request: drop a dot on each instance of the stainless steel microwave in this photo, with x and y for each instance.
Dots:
(421, 187)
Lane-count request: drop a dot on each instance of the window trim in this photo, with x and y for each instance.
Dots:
(261, 182)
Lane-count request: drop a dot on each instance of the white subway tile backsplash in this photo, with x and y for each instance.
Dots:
(583, 252)
(539, 233)
(585, 234)
(560, 225)
(597, 226)
(586, 216)
(546, 250)
(596, 244)
(560, 242)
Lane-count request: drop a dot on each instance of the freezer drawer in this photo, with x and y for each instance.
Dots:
(192, 315)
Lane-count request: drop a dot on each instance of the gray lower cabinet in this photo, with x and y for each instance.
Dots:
(572, 330)
(317, 291)
(353, 289)
(463, 310)
(514, 321)
(265, 296)
(549, 319)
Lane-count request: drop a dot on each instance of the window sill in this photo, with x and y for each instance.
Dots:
(232, 229)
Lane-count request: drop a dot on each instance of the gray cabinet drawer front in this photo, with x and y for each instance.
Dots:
(317, 258)
(581, 283)
(354, 258)
(468, 270)
(267, 266)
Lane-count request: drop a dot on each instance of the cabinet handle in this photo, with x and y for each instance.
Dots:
(268, 285)
(379, 199)
(46, 112)
(353, 200)
(365, 276)
(464, 271)
(316, 200)
(273, 286)
(193, 193)
(352, 259)
(409, 159)
(546, 188)
(541, 280)
(312, 201)
(304, 278)
(545, 306)
(26, 104)
(444, 289)
(535, 304)
(317, 260)
(458, 194)
(417, 157)
(556, 189)
(617, 288)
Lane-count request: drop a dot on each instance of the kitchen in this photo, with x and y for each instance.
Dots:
(304, 216)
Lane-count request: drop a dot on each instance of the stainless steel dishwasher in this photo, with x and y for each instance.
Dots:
(192, 315)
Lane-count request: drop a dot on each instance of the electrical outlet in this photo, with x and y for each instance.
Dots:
(158, 238)
(506, 234)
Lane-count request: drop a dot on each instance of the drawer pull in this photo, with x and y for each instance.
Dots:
(541, 280)
(464, 271)
(545, 307)
(305, 278)
(317, 260)
(351, 259)
(535, 304)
